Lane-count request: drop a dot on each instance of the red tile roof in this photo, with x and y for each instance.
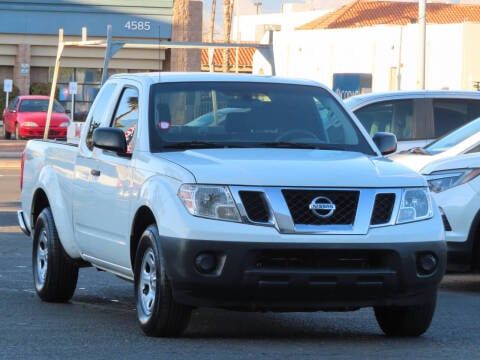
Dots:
(361, 13)
(245, 59)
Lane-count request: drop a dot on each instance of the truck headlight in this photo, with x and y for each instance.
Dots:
(444, 180)
(210, 201)
(416, 204)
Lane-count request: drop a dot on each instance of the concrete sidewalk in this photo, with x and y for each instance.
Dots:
(9, 163)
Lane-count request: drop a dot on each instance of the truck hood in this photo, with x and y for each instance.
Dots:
(292, 167)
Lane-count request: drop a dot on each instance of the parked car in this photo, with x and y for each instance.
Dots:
(415, 117)
(464, 140)
(452, 165)
(26, 116)
(455, 184)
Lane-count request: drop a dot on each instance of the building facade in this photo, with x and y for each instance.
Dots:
(29, 34)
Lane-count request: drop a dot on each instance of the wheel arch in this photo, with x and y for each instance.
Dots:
(40, 201)
(142, 219)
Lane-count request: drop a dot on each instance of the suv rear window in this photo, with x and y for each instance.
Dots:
(449, 114)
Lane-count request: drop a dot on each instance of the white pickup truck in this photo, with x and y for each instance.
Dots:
(235, 191)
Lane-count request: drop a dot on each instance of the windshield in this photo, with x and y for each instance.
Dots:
(245, 114)
(454, 137)
(39, 105)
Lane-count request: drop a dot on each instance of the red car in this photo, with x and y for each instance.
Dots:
(26, 116)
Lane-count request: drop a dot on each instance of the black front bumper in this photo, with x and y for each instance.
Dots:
(301, 277)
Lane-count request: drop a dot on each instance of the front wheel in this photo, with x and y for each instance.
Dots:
(412, 320)
(6, 134)
(55, 274)
(157, 311)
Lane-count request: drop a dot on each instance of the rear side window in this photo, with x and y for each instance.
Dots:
(449, 114)
(391, 116)
(97, 112)
(13, 105)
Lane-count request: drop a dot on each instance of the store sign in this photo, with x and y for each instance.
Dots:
(24, 69)
(72, 87)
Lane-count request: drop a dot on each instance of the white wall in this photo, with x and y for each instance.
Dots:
(452, 55)
(250, 27)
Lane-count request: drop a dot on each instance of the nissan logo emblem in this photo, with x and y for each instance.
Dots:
(322, 207)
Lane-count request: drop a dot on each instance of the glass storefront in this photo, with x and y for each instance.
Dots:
(88, 83)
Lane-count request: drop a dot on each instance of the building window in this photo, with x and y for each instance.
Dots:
(88, 83)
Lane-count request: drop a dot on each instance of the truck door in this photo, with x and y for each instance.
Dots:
(103, 227)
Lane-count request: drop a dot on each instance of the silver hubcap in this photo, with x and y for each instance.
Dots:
(42, 258)
(148, 283)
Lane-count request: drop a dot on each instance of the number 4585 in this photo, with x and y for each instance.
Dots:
(137, 25)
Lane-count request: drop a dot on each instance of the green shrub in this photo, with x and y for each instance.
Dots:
(41, 89)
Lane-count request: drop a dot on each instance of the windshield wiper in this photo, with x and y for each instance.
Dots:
(195, 145)
(297, 145)
(185, 145)
(418, 150)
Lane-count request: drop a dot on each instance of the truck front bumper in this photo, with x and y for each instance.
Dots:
(302, 276)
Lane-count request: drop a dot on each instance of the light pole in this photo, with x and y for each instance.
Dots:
(422, 24)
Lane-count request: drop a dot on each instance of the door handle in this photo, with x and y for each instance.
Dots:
(95, 172)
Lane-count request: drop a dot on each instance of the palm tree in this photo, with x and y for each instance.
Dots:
(211, 66)
(227, 30)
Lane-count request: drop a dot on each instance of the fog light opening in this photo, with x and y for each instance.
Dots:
(426, 263)
(206, 263)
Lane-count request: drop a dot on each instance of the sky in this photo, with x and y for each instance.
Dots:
(268, 6)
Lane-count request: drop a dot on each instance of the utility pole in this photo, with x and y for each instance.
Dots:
(422, 24)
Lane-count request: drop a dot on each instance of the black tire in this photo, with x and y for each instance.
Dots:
(55, 274)
(157, 312)
(6, 134)
(406, 321)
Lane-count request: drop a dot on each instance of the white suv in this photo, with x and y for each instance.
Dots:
(452, 167)
(415, 117)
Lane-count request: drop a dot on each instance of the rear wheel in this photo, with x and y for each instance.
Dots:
(55, 274)
(6, 134)
(412, 320)
(157, 312)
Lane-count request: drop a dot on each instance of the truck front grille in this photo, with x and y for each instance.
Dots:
(255, 206)
(382, 210)
(345, 202)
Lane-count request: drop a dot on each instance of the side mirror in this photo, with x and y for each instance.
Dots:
(112, 139)
(386, 142)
